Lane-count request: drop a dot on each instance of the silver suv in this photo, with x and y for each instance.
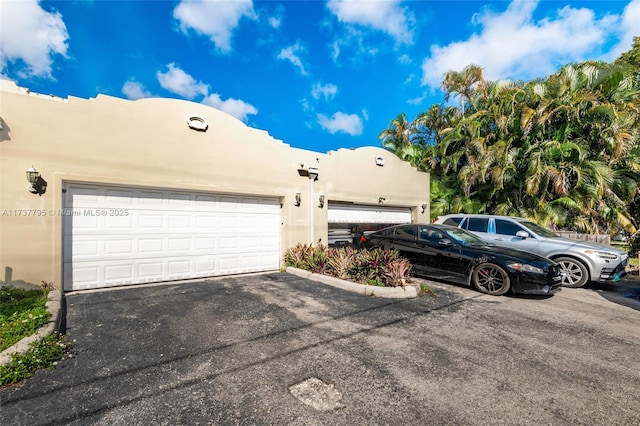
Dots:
(580, 261)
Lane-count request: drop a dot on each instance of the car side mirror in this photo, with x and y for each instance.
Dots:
(522, 234)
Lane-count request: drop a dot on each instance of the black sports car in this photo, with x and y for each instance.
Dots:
(447, 252)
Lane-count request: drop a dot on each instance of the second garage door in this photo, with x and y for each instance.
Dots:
(120, 236)
(347, 222)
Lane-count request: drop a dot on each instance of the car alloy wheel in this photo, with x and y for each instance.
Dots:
(574, 273)
(491, 279)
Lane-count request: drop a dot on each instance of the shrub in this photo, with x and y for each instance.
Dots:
(296, 256)
(397, 272)
(340, 261)
(318, 260)
(374, 267)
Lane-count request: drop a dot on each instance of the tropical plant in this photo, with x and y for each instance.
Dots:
(375, 267)
(564, 151)
(397, 272)
(340, 261)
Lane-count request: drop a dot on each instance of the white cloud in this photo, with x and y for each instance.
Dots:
(628, 27)
(216, 19)
(235, 107)
(179, 82)
(512, 45)
(385, 15)
(31, 34)
(134, 90)
(405, 59)
(354, 43)
(326, 91)
(274, 22)
(292, 54)
(340, 122)
(417, 101)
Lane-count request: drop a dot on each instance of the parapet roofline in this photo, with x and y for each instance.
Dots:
(10, 86)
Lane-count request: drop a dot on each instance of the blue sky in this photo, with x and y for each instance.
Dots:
(319, 75)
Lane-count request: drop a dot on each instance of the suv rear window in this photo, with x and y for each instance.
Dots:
(453, 221)
(477, 224)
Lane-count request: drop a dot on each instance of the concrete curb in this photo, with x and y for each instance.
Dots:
(54, 306)
(405, 292)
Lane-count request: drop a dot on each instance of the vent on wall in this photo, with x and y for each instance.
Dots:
(196, 122)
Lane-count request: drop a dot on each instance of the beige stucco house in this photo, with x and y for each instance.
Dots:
(152, 190)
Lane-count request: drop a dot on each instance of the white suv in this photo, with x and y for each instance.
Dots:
(580, 261)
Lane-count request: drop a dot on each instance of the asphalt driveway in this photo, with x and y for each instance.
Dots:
(278, 349)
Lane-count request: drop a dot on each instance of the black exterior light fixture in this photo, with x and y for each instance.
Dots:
(424, 207)
(298, 199)
(37, 185)
(321, 200)
(381, 200)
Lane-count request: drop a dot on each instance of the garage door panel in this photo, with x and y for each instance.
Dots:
(119, 247)
(165, 235)
(122, 272)
(150, 271)
(205, 243)
(206, 223)
(86, 276)
(150, 221)
(84, 221)
(118, 219)
(179, 221)
(86, 248)
(249, 261)
(249, 243)
(147, 246)
(119, 198)
(179, 268)
(150, 199)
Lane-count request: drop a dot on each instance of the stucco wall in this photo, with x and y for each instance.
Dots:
(148, 143)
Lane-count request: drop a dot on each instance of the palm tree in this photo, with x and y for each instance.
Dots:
(564, 151)
(396, 135)
(463, 83)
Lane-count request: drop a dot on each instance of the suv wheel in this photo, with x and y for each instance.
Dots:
(574, 272)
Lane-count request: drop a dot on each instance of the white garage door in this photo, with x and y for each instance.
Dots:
(356, 213)
(120, 236)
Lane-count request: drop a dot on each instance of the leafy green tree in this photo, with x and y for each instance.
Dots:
(563, 151)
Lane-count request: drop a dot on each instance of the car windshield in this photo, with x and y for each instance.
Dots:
(543, 232)
(465, 238)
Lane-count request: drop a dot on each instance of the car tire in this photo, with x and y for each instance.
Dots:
(574, 272)
(490, 278)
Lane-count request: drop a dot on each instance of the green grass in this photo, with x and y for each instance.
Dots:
(22, 313)
(43, 354)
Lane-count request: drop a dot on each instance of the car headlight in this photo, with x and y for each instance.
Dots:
(523, 267)
(602, 254)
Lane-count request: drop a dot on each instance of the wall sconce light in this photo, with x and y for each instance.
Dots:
(298, 199)
(424, 207)
(321, 200)
(381, 200)
(37, 185)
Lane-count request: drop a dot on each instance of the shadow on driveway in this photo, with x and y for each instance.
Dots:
(625, 292)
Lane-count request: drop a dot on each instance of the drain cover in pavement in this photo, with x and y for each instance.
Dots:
(317, 394)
